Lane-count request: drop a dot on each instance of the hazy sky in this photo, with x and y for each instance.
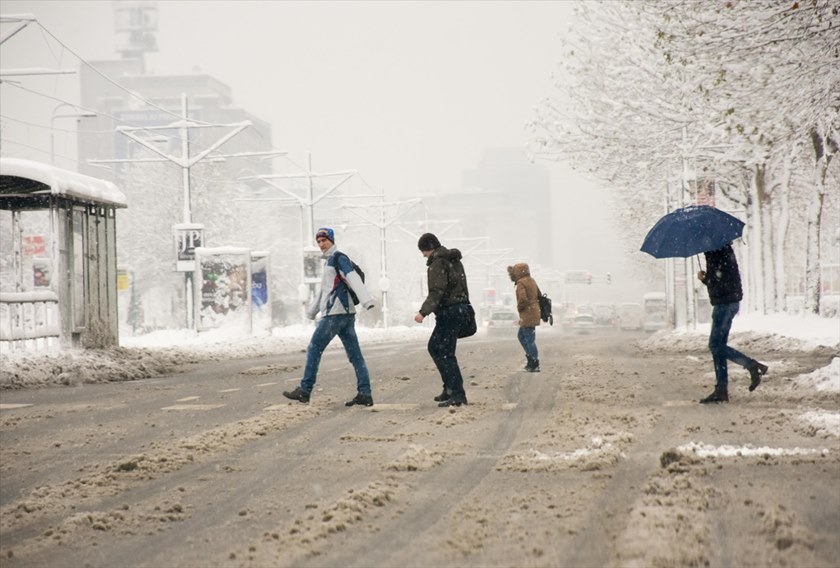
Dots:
(407, 93)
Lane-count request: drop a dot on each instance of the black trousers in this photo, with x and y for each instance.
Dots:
(449, 322)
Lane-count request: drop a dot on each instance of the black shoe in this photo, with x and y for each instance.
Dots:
(442, 396)
(453, 402)
(361, 400)
(297, 395)
(719, 395)
(755, 375)
(535, 366)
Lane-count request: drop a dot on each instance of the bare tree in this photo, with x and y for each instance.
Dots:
(741, 86)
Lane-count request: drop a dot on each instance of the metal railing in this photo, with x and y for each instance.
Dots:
(29, 319)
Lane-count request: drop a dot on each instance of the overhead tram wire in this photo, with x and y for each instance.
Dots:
(115, 83)
(119, 86)
(106, 115)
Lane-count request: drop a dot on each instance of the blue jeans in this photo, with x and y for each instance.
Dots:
(722, 316)
(344, 326)
(528, 339)
(442, 343)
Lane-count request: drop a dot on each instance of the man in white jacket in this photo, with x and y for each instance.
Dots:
(335, 304)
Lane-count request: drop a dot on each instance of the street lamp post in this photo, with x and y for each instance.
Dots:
(76, 115)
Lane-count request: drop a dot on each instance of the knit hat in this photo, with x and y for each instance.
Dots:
(325, 232)
(428, 242)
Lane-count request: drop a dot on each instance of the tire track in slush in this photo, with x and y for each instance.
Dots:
(300, 433)
(460, 477)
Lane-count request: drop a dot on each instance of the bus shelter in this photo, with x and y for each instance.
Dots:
(58, 257)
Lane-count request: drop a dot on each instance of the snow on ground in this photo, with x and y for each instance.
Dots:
(163, 352)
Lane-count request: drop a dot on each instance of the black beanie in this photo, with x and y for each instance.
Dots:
(428, 242)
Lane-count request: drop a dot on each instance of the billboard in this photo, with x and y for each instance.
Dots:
(223, 288)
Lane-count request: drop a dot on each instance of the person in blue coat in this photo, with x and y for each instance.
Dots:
(338, 312)
(723, 281)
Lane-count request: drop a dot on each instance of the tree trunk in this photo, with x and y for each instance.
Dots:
(781, 227)
(823, 148)
(766, 244)
(754, 218)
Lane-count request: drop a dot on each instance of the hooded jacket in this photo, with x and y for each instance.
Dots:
(527, 295)
(723, 279)
(447, 280)
(333, 298)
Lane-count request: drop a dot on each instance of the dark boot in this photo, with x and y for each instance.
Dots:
(360, 399)
(535, 366)
(529, 364)
(453, 402)
(298, 395)
(720, 394)
(756, 370)
(444, 396)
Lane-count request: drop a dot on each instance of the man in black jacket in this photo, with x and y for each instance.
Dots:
(449, 300)
(723, 281)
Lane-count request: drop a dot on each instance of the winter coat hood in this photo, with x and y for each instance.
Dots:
(444, 253)
(518, 271)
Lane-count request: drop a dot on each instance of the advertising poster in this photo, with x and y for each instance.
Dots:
(261, 317)
(123, 282)
(223, 288)
(41, 273)
(34, 245)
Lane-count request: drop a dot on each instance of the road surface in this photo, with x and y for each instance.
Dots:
(588, 463)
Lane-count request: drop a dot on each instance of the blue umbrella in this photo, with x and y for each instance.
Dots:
(691, 230)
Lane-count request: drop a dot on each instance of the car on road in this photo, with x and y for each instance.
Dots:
(654, 322)
(605, 315)
(503, 322)
(583, 323)
(630, 315)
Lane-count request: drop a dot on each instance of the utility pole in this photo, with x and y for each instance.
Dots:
(185, 162)
(382, 223)
(307, 210)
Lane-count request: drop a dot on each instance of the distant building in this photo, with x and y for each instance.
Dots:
(209, 100)
(506, 198)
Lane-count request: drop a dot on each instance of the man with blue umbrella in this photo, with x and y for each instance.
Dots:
(723, 281)
(692, 230)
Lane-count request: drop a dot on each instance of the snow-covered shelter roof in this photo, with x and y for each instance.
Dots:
(25, 182)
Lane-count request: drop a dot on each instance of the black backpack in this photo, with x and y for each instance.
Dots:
(358, 270)
(545, 307)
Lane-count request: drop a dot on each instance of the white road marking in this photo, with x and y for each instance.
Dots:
(192, 407)
(229, 390)
(12, 406)
(407, 406)
(185, 399)
(265, 384)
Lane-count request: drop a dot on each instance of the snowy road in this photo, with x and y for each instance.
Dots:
(603, 459)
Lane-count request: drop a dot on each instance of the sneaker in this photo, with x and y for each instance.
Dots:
(361, 400)
(442, 396)
(719, 395)
(297, 395)
(453, 402)
(755, 375)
